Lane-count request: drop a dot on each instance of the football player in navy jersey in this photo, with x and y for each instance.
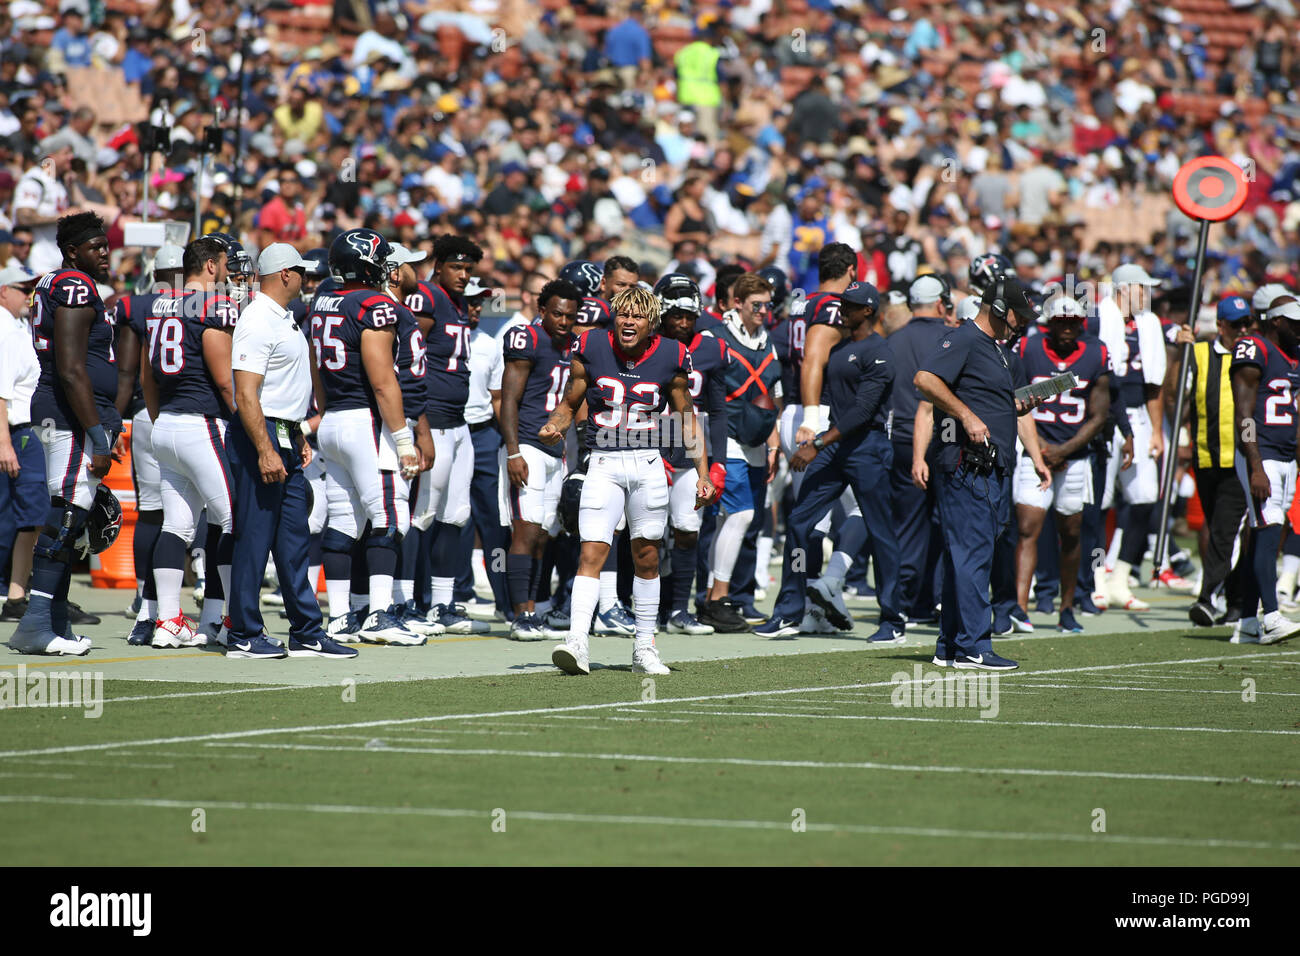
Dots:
(74, 403)
(443, 504)
(1265, 381)
(133, 313)
(1066, 424)
(367, 444)
(538, 359)
(680, 310)
(186, 378)
(626, 376)
(412, 376)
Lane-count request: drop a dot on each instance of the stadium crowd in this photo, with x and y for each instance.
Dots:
(916, 141)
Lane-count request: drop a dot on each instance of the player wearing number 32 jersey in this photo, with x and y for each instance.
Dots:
(1265, 378)
(626, 376)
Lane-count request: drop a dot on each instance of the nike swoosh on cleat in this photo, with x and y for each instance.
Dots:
(243, 647)
(976, 660)
(312, 647)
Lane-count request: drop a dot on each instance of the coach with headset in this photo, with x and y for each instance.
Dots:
(969, 379)
(932, 310)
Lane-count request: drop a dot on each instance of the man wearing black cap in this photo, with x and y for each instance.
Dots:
(855, 453)
(969, 381)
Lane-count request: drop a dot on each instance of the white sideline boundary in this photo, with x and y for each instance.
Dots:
(580, 708)
(541, 816)
(755, 762)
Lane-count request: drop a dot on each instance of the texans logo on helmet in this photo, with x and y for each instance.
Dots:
(366, 246)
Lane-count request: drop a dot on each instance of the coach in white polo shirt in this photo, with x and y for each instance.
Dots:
(24, 500)
(275, 378)
(485, 369)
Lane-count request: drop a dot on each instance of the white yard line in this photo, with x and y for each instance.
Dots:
(541, 816)
(575, 708)
(754, 762)
(992, 722)
(1153, 690)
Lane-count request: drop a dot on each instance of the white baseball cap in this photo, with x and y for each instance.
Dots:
(402, 255)
(474, 288)
(925, 289)
(1063, 307)
(16, 275)
(968, 308)
(1266, 294)
(280, 255)
(168, 258)
(1132, 274)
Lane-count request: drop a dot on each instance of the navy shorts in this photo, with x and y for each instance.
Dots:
(25, 498)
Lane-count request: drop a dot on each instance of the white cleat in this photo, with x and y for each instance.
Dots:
(1245, 631)
(381, 627)
(828, 595)
(646, 661)
(175, 632)
(63, 647)
(1276, 628)
(814, 622)
(571, 658)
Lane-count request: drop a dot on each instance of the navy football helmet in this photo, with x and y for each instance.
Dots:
(360, 255)
(583, 273)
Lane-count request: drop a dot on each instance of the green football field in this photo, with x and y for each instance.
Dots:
(1139, 742)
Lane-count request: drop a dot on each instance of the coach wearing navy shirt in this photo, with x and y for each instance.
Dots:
(969, 380)
(274, 383)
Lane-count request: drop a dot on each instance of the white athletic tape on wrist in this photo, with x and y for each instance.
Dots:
(812, 417)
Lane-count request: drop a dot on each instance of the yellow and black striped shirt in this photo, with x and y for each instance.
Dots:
(1212, 406)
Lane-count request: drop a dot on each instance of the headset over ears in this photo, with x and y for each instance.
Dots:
(998, 304)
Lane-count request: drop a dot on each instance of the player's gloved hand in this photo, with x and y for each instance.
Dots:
(718, 475)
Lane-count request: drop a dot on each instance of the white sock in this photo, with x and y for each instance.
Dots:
(727, 544)
(837, 568)
(148, 610)
(582, 605)
(313, 577)
(645, 607)
(763, 558)
(403, 591)
(337, 592)
(480, 568)
(168, 583)
(608, 590)
(1290, 564)
(381, 592)
(442, 590)
(1116, 540)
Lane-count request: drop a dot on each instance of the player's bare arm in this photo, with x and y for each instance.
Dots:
(377, 360)
(1245, 389)
(560, 420)
(1028, 433)
(128, 366)
(816, 351)
(424, 442)
(71, 342)
(513, 380)
(217, 344)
